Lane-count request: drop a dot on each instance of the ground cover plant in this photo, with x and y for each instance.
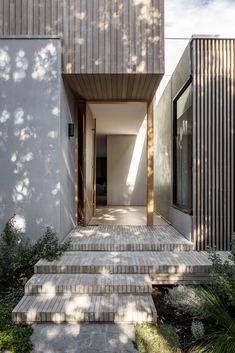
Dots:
(151, 338)
(17, 258)
(15, 338)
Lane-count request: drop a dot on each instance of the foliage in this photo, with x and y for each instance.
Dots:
(220, 335)
(186, 299)
(156, 339)
(197, 329)
(18, 256)
(222, 278)
(13, 337)
(48, 246)
(14, 254)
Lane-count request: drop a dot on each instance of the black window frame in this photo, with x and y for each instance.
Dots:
(174, 148)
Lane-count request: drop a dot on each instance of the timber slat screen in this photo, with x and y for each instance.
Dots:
(98, 36)
(111, 50)
(213, 142)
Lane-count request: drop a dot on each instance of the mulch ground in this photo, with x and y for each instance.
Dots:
(166, 314)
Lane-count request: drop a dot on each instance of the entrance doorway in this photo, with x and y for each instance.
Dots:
(115, 164)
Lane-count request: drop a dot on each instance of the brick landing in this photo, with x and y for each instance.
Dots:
(128, 238)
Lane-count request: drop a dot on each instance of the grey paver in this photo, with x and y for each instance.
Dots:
(83, 338)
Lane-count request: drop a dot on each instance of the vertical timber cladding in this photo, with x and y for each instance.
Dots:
(98, 36)
(213, 147)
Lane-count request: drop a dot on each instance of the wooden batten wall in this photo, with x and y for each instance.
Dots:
(98, 36)
(111, 50)
(213, 142)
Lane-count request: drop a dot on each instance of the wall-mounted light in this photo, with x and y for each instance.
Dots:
(71, 130)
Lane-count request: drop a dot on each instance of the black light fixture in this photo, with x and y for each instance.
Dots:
(71, 129)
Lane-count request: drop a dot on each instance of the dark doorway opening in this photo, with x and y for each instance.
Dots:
(101, 170)
(81, 122)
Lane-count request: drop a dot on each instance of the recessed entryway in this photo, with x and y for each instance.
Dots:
(120, 163)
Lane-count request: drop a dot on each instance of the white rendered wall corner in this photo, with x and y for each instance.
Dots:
(30, 133)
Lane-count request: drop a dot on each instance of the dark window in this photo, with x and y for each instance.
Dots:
(182, 130)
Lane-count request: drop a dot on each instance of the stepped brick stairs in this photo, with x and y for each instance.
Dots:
(107, 275)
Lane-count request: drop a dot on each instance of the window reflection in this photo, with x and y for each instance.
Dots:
(183, 149)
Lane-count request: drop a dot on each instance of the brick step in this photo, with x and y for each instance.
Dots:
(83, 246)
(85, 308)
(190, 262)
(126, 238)
(88, 283)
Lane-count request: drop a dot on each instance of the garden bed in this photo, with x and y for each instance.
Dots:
(170, 316)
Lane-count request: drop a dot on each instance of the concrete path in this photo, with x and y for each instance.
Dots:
(123, 215)
(84, 338)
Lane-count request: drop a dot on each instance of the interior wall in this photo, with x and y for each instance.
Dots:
(89, 165)
(163, 150)
(120, 149)
(30, 134)
(68, 209)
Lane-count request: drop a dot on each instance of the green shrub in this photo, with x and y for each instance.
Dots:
(18, 255)
(13, 337)
(15, 253)
(48, 246)
(222, 276)
(220, 334)
(150, 338)
(186, 299)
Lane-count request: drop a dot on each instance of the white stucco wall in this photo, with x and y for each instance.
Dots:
(33, 139)
(126, 171)
(68, 114)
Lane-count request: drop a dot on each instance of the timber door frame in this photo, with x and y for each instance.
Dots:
(94, 171)
(81, 166)
(80, 161)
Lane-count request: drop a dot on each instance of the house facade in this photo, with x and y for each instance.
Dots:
(57, 58)
(66, 69)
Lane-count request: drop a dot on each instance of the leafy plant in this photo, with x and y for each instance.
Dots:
(150, 338)
(13, 337)
(48, 247)
(222, 276)
(14, 254)
(220, 335)
(18, 255)
(197, 329)
(186, 299)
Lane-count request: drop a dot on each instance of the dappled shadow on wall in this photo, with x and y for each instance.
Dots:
(29, 120)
